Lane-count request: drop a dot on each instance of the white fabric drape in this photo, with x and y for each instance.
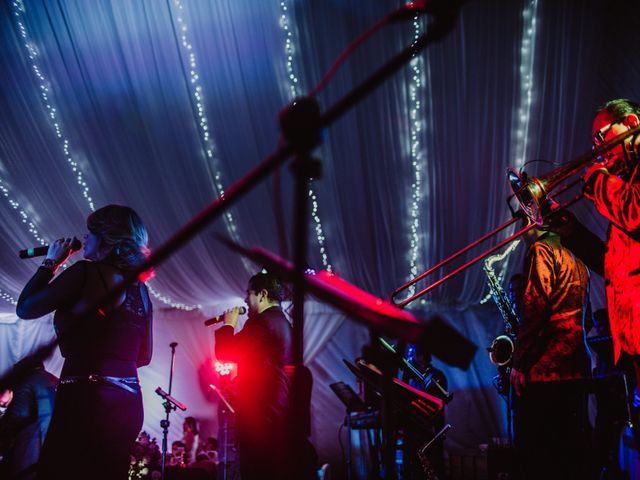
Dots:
(120, 81)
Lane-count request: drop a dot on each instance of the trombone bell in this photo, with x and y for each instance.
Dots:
(534, 193)
(530, 194)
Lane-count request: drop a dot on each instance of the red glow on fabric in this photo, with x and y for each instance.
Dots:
(147, 275)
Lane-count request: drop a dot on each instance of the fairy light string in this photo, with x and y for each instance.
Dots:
(45, 94)
(520, 132)
(44, 88)
(196, 92)
(417, 154)
(527, 57)
(25, 219)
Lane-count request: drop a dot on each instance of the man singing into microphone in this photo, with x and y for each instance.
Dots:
(263, 352)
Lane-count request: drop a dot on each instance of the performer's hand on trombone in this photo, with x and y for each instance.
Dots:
(593, 168)
(588, 174)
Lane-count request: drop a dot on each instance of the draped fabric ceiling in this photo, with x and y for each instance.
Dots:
(99, 100)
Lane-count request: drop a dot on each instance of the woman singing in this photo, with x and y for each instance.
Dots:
(98, 410)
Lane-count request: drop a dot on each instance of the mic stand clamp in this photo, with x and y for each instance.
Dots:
(301, 124)
(169, 404)
(164, 424)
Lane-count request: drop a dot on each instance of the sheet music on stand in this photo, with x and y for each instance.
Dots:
(364, 419)
(360, 416)
(426, 377)
(413, 403)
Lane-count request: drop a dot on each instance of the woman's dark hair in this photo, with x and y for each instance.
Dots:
(122, 237)
(193, 423)
(620, 107)
(269, 282)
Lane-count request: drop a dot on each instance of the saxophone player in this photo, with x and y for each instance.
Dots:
(550, 364)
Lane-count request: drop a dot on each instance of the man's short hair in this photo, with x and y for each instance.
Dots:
(269, 282)
(620, 107)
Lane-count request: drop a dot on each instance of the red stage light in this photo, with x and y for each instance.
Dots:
(224, 368)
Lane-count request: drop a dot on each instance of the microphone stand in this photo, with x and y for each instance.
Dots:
(225, 440)
(168, 407)
(226, 410)
(301, 127)
(441, 24)
(301, 124)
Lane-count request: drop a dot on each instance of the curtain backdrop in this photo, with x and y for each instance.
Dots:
(162, 105)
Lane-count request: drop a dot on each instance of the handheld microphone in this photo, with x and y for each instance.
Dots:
(42, 250)
(220, 318)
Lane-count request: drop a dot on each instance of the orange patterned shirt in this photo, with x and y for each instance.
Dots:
(550, 343)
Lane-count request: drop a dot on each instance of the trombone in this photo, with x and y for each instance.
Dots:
(534, 195)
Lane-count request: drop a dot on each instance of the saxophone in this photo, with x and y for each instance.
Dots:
(427, 467)
(501, 349)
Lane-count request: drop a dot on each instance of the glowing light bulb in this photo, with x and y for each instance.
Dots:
(224, 369)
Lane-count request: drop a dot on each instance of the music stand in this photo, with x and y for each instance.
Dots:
(347, 396)
(353, 403)
(425, 378)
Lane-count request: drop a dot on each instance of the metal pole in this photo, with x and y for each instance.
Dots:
(167, 407)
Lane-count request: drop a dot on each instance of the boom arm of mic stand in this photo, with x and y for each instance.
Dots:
(434, 33)
(434, 334)
(437, 29)
(170, 400)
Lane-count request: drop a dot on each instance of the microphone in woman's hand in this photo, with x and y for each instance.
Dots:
(43, 249)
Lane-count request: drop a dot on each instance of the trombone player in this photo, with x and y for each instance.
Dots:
(617, 197)
(613, 185)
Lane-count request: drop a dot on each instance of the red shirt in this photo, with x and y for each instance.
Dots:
(619, 201)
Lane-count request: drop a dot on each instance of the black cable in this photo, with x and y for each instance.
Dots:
(537, 160)
(345, 54)
(344, 456)
(510, 416)
(278, 212)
